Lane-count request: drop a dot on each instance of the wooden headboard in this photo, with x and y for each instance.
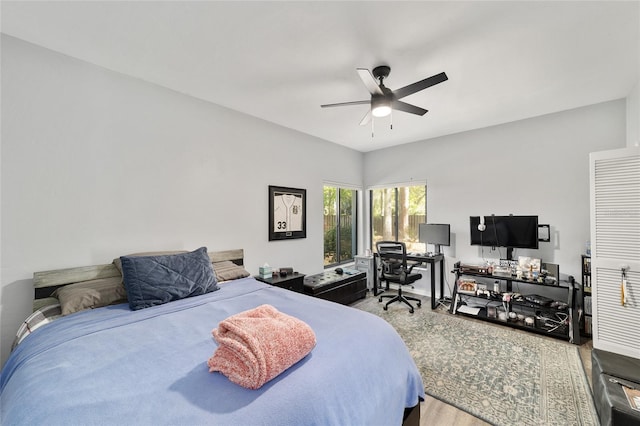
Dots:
(46, 282)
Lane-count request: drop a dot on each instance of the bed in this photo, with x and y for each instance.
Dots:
(115, 365)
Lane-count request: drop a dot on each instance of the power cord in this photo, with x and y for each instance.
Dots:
(445, 301)
(562, 320)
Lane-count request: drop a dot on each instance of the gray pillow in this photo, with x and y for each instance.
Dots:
(90, 294)
(227, 271)
(154, 280)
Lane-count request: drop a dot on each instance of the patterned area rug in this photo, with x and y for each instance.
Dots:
(495, 373)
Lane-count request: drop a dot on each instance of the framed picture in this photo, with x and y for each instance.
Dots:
(544, 233)
(287, 213)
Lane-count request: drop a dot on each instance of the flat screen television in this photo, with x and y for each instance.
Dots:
(505, 231)
(438, 234)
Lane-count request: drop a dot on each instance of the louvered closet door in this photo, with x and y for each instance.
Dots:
(615, 243)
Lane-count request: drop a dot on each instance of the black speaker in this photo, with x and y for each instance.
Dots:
(285, 271)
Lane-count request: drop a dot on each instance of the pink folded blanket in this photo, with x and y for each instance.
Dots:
(257, 345)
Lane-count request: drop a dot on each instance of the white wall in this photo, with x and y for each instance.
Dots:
(96, 165)
(538, 166)
(633, 117)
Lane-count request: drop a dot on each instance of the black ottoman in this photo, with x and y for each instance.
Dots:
(342, 288)
(609, 371)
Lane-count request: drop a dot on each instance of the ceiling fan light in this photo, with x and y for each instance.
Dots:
(381, 111)
(380, 107)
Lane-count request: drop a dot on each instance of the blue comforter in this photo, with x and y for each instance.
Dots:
(116, 366)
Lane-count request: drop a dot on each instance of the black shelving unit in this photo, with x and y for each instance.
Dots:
(585, 297)
(559, 322)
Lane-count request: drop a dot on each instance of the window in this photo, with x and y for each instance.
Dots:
(396, 214)
(340, 225)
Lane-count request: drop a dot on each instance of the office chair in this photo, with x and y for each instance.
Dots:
(393, 268)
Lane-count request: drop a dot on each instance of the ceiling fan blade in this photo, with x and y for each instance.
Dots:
(345, 104)
(420, 85)
(366, 119)
(412, 109)
(369, 81)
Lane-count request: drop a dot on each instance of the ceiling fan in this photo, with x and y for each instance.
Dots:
(383, 99)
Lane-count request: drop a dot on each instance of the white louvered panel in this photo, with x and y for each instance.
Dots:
(617, 208)
(615, 243)
(616, 324)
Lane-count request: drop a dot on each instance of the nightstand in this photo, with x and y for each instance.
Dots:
(293, 282)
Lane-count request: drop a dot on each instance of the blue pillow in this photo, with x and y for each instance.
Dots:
(154, 280)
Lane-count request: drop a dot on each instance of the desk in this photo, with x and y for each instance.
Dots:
(429, 260)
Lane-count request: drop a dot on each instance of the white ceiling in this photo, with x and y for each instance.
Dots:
(279, 61)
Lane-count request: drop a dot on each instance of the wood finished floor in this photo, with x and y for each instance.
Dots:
(437, 413)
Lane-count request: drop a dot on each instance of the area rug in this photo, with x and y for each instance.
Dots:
(495, 373)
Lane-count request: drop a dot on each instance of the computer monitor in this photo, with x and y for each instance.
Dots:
(438, 234)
